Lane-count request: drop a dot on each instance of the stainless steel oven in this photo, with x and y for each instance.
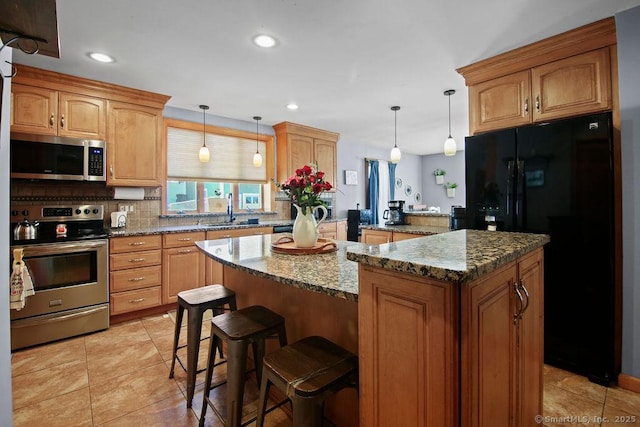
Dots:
(69, 272)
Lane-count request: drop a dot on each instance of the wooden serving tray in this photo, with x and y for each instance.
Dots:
(285, 245)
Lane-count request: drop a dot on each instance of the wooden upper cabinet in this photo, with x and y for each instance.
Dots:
(577, 85)
(561, 76)
(51, 112)
(500, 103)
(301, 151)
(134, 150)
(82, 116)
(299, 145)
(325, 158)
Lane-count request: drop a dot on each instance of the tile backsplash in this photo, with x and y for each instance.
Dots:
(145, 213)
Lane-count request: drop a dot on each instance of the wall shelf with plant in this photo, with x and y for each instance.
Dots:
(439, 174)
(451, 189)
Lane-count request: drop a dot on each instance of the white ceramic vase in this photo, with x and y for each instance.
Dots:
(305, 226)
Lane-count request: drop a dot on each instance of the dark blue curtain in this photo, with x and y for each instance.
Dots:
(392, 181)
(373, 190)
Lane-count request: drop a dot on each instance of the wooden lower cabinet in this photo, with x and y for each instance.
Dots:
(397, 236)
(135, 278)
(328, 230)
(183, 264)
(376, 237)
(407, 346)
(446, 354)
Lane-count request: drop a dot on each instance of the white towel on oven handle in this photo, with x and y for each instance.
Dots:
(21, 282)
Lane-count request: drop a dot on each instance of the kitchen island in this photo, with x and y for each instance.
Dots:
(442, 326)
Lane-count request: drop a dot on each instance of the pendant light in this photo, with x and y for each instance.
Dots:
(450, 143)
(257, 158)
(396, 155)
(203, 155)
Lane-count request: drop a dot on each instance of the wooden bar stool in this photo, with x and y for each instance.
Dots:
(197, 301)
(249, 325)
(307, 371)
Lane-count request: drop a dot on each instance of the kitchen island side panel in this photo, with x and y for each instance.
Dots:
(306, 313)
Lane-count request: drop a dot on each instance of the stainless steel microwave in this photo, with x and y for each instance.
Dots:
(56, 157)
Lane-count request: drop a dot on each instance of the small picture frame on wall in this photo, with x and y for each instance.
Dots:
(350, 177)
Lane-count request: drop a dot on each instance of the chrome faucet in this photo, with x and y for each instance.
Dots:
(230, 207)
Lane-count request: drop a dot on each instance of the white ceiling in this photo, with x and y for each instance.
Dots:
(345, 62)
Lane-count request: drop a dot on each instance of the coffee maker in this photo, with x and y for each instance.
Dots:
(395, 213)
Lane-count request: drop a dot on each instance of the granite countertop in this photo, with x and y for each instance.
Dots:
(458, 256)
(329, 273)
(426, 213)
(425, 230)
(166, 229)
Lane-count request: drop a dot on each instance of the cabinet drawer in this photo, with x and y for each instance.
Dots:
(397, 236)
(124, 302)
(325, 227)
(135, 243)
(135, 259)
(176, 240)
(135, 278)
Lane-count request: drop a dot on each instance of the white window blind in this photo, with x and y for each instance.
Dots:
(231, 157)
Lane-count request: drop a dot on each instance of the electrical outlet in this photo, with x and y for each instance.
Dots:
(131, 207)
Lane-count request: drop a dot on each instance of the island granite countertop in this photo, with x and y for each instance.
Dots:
(327, 273)
(458, 256)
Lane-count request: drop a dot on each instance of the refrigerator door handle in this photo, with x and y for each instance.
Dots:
(510, 176)
(520, 194)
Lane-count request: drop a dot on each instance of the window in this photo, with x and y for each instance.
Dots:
(194, 187)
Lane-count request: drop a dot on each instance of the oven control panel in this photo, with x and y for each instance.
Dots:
(57, 213)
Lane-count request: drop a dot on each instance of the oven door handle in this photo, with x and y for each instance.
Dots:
(63, 248)
(25, 323)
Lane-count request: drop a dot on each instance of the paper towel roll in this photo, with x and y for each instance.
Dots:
(128, 193)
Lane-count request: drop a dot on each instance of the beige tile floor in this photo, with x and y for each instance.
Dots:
(120, 377)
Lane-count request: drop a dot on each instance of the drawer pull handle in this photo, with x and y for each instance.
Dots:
(135, 301)
(185, 239)
(184, 251)
(136, 260)
(137, 243)
(136, 279)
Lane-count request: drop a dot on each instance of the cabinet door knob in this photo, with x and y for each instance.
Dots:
(526, 106)
(52, 120)
(538, 103)
(111, 170)
(62, 121)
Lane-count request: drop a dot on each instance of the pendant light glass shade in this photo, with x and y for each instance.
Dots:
(257, 158)
(396, 155)
(203, 154)
(450, 147)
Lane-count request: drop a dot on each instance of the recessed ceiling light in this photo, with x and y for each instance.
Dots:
(264, 40)
(100, 57)
(292, 106)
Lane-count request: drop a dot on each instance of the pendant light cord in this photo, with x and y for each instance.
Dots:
(257, 119)
(449, 96)
(395, 128)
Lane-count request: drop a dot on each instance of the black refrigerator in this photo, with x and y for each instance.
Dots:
(557, 178)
